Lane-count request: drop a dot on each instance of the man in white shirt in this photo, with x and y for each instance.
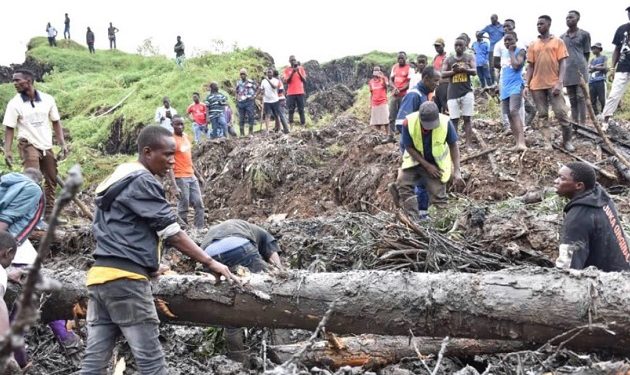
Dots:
(32, 113)
(271, 101)
(164, 115)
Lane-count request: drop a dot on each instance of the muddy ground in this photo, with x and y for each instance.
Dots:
(323, 193)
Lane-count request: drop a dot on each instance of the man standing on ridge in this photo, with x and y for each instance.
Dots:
(180, 55)
(294, 77)
(35, 115)
(271, 102)
(598, 67)
(379, 111)
(546, 59)
(111, 34)
(245, 96)
(130, 204)
(399, 84)
(578, 43)
(89, 39)
(66, 27)
(52, 35)
(495, 33)
(481, 47)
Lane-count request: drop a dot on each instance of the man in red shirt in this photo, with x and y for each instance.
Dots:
(294, 76)
(197, 114)
(399, 84)
(185, 178)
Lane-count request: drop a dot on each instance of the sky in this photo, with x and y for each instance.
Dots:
(319, 29)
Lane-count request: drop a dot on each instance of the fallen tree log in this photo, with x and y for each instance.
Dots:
(532, 305)
(379, 351)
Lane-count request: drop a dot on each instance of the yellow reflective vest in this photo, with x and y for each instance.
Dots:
(439, 147)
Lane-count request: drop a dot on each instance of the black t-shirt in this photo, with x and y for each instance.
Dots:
(460, 83)
(622, 39)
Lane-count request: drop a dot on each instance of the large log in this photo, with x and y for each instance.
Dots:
(526, 304)
(378, 351)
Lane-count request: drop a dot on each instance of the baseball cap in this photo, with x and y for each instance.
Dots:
(598, 45)
(243, 71)
(440, 41)
(429, 115)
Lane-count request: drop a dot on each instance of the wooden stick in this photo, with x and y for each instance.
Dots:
(598, 126)
(481, 153)
(116, 106)
(484, 146)
(595, 167)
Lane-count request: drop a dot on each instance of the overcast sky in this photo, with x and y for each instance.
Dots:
(318, 29)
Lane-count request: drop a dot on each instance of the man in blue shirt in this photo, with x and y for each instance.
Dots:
(481, 49)
(597, 70)
(495, 33)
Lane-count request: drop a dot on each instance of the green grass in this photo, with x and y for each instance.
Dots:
(85, 85)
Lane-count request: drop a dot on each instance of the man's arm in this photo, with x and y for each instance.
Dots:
(60, 139)
(471, 69)
(199, 176)
(175, 190)
(516, 59)
(446, 69)
(4, 316)
(615, 56)
(563, 69)
(158, 116)
(302, 76)
(586, 47)
(454, 151)
(274, 259)
(8, 144)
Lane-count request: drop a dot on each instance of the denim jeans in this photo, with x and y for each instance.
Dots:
(123, 306)
(199, 130)
(191, 195)
(246, 111)
(219, 127)
(293, 102)
(246, 256)
(483, 72)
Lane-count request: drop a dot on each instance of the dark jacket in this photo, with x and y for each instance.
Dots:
(131, 210)
(266, 243)
(592, 234)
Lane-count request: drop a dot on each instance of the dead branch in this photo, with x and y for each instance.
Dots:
(595, 167)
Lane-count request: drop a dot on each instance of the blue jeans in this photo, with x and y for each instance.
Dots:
(246, 256)
(123, 306)
(219, 127)
(190, 195)
(198, 130)
(246, 111)
(483, 72)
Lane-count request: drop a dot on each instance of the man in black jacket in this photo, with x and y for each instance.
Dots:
(132, 220)
(591, 234)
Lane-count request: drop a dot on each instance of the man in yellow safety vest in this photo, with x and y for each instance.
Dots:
(431, 154)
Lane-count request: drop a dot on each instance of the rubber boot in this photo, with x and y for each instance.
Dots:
(567, 134)
(235, 344)
(546, 133)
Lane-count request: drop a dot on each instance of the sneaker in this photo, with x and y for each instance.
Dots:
(423, 216)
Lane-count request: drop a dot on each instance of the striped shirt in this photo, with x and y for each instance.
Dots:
(215, 102)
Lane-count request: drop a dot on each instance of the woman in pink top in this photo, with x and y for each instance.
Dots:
(378, 90)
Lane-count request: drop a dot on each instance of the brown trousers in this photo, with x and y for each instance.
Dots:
(543, 99)
(408, 179)
(46, 163)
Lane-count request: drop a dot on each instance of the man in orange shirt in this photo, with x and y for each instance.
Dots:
(294, 76)
(546, 58)
(185, 177)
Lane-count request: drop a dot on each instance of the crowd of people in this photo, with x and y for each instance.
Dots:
(424, 107)
(51, 33)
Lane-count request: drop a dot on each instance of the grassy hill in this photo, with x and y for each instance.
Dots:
(86, 86)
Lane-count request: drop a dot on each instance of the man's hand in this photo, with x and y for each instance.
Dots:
(176, 192)
(458, 180)
(8, 158)
(220, 269)
(433, 171)
(64, 152)
(557, 88)
(201, 181)
(15, 275)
